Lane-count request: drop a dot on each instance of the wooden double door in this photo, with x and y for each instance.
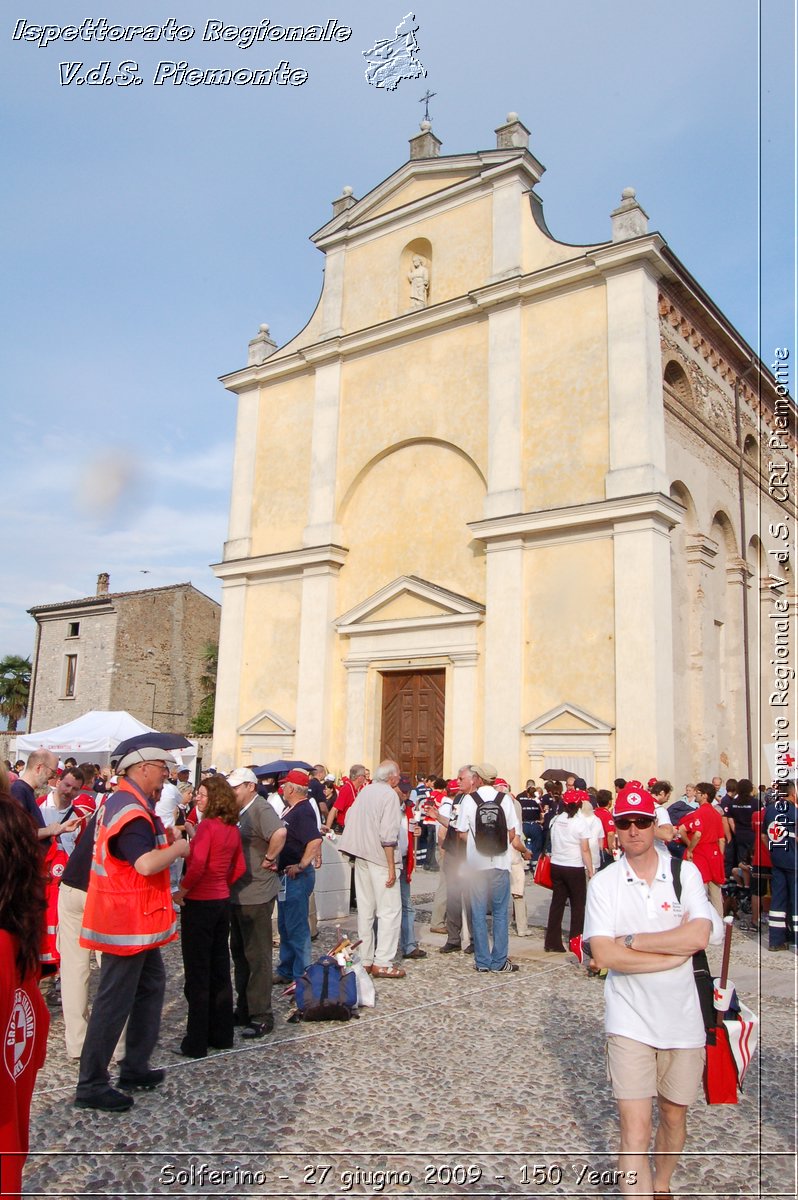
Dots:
(413, 714)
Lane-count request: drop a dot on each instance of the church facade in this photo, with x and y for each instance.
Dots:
(502, 498)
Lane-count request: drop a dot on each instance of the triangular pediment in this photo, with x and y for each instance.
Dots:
(422, 179)
(266, 722)
(567, 718)
(410, 598)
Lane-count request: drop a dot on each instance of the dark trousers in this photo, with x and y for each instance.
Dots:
(568, 883)
(251, 944)
(131, 989)
(205, 928)
(456, 897)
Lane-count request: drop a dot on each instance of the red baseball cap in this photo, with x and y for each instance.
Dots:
(298, 776)
(634, 801)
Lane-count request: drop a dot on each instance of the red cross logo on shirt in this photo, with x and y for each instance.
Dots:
(665, 905)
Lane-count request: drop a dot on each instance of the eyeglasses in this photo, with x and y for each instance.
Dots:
(638, 822)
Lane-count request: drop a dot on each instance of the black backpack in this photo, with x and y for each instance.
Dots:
(490, 826)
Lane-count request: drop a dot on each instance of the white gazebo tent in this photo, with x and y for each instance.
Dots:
(91, 738)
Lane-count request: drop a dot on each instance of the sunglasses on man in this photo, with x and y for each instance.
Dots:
(638, 822)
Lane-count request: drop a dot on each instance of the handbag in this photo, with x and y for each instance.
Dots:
(542, 876)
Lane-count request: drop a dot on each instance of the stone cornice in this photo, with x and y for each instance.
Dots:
(485, 167)
(517, 289)
(600, 517)
(290, 564)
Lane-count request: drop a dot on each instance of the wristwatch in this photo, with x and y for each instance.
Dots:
(627, 941)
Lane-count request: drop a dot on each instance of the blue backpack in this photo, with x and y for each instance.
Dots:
(325, 993)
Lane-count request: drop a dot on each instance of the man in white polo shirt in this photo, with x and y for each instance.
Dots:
(646, 936)
(487, 867)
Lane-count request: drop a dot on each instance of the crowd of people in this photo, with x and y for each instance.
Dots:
(128, 859)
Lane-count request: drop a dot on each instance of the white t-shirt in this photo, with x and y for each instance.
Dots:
(595, 835)
(466, 822)
(167, 804)
(566, 839)
(660, 1008)
(663, 816)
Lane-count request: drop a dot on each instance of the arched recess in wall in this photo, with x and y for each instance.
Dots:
(685, 622)
(751, 451)
(416, 290)
(675, 379)
(724, 655)
(760, 636)
(406, 513)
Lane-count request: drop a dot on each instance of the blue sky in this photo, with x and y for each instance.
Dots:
(148, 231)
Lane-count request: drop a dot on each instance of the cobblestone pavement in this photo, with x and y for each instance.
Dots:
(455, 1085)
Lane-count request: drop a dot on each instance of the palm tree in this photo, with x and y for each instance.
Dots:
(15, 673)
(202, 725)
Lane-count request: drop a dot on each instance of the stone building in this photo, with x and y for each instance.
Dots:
(502, 497)
(140, 651)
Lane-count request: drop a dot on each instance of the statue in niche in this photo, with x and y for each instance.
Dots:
(419, 282)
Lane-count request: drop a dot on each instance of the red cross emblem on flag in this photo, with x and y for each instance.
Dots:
(718, 996)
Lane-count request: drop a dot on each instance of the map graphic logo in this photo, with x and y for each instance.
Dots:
(390, 60)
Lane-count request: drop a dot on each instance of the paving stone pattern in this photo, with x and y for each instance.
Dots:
(456, 1085)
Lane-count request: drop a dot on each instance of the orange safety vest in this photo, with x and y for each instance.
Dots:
(125, 912)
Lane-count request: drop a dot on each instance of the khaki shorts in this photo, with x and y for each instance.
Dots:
(637, 1071)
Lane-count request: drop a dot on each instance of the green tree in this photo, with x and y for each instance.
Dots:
(15, 675)
(202, 725)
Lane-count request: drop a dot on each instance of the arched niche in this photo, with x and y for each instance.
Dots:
(676, 381)
(415, 290)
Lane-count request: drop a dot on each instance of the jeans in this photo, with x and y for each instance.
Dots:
(407, 935)
(490, 888)
(294, 925)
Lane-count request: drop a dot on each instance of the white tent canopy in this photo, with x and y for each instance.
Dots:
(93, 737)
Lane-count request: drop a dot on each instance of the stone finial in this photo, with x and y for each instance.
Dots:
(344, 201)
(261, 346)
(425, 144)
(103, 583)
(629, 220)
(513, 135)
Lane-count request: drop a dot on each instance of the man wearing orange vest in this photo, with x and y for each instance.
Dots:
(129, 914)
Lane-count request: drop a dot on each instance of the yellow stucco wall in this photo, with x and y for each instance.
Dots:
(375, 275)
(279, 502)
(565, 388)
(271, 649)
(570, 621)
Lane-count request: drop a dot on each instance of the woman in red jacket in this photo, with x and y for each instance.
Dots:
(24, 1019)
(216, 862)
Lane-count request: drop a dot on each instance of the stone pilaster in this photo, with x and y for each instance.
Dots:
(321, 527)
(636, 411)
(504, 494)
(504, 664)
(314, 674)
(644, 743)
(356, 678)
(462, 706)
(239, 530)
(700, 553)
(228, 680)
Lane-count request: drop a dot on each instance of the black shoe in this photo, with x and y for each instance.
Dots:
(450, 948)
(469, 948)
(417, 953)
(145, 1082)
(239, 1020)
(109, 1100)
(259, 1029)
(508, 966)
(482, 970)
(184, 1053)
